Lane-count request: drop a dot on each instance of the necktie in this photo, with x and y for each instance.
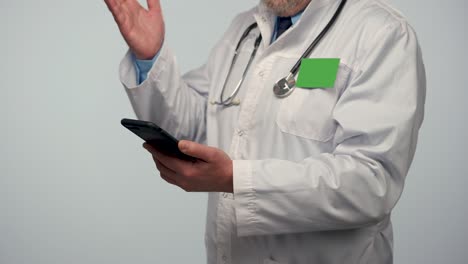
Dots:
(284, 23)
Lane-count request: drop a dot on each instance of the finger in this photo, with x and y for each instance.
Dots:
(197, 150)
(125, 9)
(165, 173)
(172, 163)
(117, 10)
(168, 180)
(149, 148)
(154, 5)
(112, 5)
(152, 150)
(162, 168)
(132, 5)
(171, 177)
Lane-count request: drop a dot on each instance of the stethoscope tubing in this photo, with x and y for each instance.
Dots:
(293, 72)
(230, 100)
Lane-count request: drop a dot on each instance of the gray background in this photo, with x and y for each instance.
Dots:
(75, 187)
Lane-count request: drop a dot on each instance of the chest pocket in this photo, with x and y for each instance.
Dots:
(307, 113)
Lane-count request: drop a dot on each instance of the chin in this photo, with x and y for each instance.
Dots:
(285, 7)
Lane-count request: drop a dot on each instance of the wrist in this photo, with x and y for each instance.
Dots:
(148, 54)
(144, 56)
(229, 183)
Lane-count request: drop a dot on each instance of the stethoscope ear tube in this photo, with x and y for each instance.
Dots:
(246, 33)
(230, 100)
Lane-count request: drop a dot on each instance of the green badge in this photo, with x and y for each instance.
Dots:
(317, 73)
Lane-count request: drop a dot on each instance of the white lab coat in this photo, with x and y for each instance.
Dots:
(316, 174)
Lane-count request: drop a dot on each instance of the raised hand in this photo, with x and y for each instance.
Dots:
(142, 29)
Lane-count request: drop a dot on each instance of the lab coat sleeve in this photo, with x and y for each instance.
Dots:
(174, 102)
(358, 184)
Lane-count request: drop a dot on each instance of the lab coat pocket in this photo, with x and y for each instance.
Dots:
(307, 113)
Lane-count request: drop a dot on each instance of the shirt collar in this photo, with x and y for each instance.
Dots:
(295, 18)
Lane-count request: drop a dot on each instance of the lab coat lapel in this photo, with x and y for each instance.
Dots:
(266, 21)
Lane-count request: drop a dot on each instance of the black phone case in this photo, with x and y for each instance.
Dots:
(156, 137)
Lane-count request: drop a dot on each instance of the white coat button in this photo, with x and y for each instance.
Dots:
(224, 258)
(225, 195)
(261, 73)
(241, 133)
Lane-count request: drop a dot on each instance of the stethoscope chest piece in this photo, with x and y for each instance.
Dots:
(285, 86)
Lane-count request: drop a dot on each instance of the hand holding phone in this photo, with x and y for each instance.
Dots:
(156, 137)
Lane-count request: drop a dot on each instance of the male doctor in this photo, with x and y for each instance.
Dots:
(307, 178)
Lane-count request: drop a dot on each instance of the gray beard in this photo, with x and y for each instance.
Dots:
(280, 7)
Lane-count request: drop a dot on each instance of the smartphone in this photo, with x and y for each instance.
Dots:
(156, 137)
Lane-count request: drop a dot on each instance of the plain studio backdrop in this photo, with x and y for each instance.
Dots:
(76, 187)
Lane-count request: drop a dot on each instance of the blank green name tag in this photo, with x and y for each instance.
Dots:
(317, 73)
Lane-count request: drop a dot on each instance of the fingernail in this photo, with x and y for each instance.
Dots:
(183, 146)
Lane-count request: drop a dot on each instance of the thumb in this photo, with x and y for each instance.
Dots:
(197, 150)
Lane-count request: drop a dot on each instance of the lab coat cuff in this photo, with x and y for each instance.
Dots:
(244, 197)
(127, 71)
(129, 74)
(143, 67)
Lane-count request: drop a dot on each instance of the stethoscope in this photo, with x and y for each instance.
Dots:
(285, 86)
